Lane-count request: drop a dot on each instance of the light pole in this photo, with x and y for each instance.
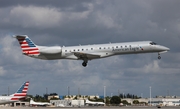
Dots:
(68, 90)
(104, 95)
(150, 95)
(141, 95)
(46, 90)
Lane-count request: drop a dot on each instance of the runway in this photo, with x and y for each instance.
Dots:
(128, 107)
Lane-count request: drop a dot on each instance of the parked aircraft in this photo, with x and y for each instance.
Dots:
(19, 95)
(94, 103)
(32, 102)
(87, 52)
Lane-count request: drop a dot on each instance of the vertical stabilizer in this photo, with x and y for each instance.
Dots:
(21, 92)
(27, 45)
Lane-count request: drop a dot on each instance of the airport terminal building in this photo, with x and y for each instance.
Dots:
(159, 100)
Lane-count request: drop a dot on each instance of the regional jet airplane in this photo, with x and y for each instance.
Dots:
(94, 103)
(32, 102)
(19, 95)
(87, 52)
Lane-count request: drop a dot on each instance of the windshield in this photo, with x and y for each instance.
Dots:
(152, 43)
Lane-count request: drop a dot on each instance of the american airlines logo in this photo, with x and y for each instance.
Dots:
(127, 49)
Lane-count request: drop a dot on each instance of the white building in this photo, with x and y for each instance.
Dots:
(68, 103)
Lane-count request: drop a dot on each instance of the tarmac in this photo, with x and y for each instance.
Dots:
(127, 107)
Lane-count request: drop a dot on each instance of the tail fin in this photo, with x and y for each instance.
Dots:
(28, 47)
(21, 92)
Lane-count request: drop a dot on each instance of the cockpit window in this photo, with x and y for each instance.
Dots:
(152, 43)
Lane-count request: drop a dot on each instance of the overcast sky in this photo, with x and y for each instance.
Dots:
(74, 22)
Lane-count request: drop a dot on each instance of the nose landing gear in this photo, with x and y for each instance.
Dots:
(159, 57)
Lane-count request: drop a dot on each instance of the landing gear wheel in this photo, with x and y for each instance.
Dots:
(159, 57)
(84, 64)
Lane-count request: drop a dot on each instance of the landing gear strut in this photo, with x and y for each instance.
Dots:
(85, 63)
(159, 57)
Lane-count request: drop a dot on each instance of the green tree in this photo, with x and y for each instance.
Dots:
(115, 100)
(124, 102)
(107, 100)
(135, 102)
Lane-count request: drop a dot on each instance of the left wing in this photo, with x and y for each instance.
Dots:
(82, 55)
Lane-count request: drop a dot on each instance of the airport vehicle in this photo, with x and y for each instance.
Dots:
(17, 96)
(87, 52)
(33, 103)
(94, 103)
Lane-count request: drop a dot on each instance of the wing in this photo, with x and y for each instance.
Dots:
(89, 56)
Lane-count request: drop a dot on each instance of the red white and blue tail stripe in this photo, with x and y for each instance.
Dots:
(21, 92)
(28, 47)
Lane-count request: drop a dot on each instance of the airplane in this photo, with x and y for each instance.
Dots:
(94, 103)
(17, 96)
(87, 52)
(32, 102)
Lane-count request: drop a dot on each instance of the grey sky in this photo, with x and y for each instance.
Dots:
(74, 22)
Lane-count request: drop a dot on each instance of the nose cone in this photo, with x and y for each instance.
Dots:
(162, 48)
(165, 48)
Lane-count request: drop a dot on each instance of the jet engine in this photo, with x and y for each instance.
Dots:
(50, 50)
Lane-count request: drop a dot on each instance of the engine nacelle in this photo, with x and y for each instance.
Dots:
(50, 50)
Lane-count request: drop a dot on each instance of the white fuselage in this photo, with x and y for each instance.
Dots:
(6, 99)
(102, 50)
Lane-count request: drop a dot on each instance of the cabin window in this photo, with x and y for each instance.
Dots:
(82, 49)
(99, 47)
(65, 50)
(74, 50)
(78, 49)
(116, 46)
(104, 47)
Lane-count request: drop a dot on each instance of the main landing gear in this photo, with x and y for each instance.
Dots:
(159, 57)
(85, 63)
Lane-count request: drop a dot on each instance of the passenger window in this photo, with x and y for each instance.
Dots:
(65, 50)
(116, 46)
